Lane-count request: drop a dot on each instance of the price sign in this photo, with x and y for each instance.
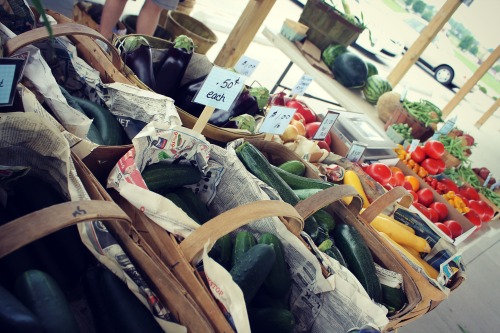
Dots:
(277, 120)
(301, 86)
(246, 65)
(325, 125)
(220, 89)
(356, 151)
(10, 72)
(413, 145)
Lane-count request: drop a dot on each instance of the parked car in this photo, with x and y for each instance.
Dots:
(439, 55)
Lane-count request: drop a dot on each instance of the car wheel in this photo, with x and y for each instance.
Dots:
(444, 74)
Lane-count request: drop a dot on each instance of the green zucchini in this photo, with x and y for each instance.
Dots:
(15, 317)
(221, 252)
(197, 206)
(182, 205)
(271, 320)
(128, 313)
(299, 182)
(111, 130)
(41, 294)
(243, 242)
(93, 133)
(358, 258)
(249, 274)
(259, 166)
(296, 167)
(278, 281)
(165, 177)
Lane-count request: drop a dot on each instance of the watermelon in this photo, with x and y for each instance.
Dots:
(372, 70)
(375, 87)
(331, 52)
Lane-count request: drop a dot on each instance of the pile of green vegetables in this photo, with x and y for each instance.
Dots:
(424, 111)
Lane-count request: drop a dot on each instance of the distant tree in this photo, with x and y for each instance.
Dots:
(419, 6)
(427, 15)
(466, 42)
(474, 49)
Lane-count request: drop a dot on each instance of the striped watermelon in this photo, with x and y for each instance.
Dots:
(375, 87)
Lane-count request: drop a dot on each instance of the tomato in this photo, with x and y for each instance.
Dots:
(425, 196)
(441, 209)
(303, 109)
(444, 229)
(418, 155)
(450, 184)
(299, 117)
(434, 149)
(469, 192)
(431, 165)
(312, 128)
(415, 185)
(455, 228)
(323, 145)
(434, 215)
(488, 211)
(398, 177)
(380, 172)
(422, 209)
(473, 217)
(414, 194)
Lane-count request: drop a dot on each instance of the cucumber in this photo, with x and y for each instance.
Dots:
(40, 293)
(197, 206)
(249, 274)
(303, 194)
(165, 177)
(278, 281)
(91, 285)
(393, 298)
(358, 258)
(299, 182)
(259, 166)
(271, 320)
(111, 130)
(181, 204)
(295, 167)
(125, 309)
(93, 133)
(242, 243)
(221, 252)
(15, 317)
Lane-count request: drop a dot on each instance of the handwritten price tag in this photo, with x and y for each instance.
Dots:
(325, 125)
(220, 89)
(246, 65)
(413, 145)
(277, 120)
(356, 151)
(301, 86)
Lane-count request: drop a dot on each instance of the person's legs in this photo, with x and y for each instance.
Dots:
(147, 21)
(111, 12)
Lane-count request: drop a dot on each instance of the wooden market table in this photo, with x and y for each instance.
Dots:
(350, 99)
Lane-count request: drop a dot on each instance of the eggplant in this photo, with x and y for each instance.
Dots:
(137, 56)
(244, 104)
(174, 66)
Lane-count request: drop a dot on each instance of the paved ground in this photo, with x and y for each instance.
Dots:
(473, 308)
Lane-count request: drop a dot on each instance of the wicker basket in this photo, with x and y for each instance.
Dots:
(327, 26)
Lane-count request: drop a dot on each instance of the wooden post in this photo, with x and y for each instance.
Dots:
(427, 35)
(243, 32)
(478, 74)
(488, 113)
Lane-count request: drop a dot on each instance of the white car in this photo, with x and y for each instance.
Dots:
(439, 55)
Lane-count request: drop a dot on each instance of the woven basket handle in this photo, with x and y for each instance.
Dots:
(62, 29)
(41, 223)
(330, 195)
(237, 217)
(377, 206)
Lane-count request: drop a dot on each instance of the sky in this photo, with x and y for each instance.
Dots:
(481, 18)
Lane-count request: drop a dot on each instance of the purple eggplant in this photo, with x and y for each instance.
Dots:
(137, 56)
(174, 66)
